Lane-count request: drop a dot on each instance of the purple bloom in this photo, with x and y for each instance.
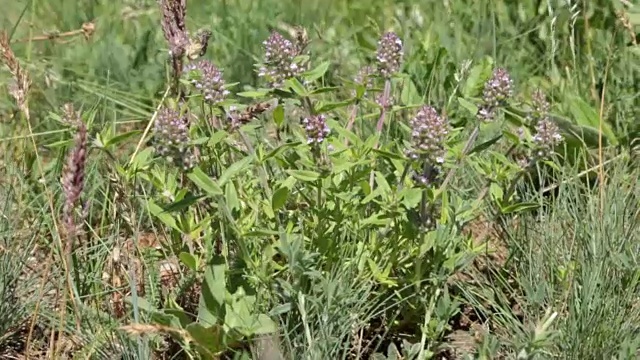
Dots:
(207, 78)
(540, 106)
(428, 134)
(279, 60)
(546, 138)
(389, 54)
(171, 134)
(316, 129)
(496, 91)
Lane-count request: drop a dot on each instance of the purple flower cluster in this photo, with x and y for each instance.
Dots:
(429, 132)
(496, 91)
(316, 129)
(389, 54)
(207, 78)
(540, 105)
(546, 138)
(279, 60)
(171, 135)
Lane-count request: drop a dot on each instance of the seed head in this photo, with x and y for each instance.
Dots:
(174, 29)
(428, 134)
(389, 54)
(73, 178)
(316, 128)
(546, 138)
(207, 78)
(279, 60)
(171, 135)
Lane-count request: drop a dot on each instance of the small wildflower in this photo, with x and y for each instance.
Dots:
(316, 129)
(496, 91)
(499, 88)
(384, 101)
(428, 134)
(279, 60)
(207, 78)
(171, 134)
(364, 77)
(546, 138)
(540, 106)
(389, 54)
(73, 178)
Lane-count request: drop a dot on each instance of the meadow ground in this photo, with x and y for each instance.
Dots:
(319, 179)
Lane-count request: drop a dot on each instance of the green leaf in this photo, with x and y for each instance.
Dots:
(585, 115)
(410, 197)
(353, 138)
(317, 72)
(214, 291)
(163, 216)
(217, 137)
(278, 115)
(279, 198)
(280, 149)
(519, 207)
(184, 203)
(210, 340)
(410, 95)
(496, 192)
(389, 155)
(471, 107)
(114, 141)
(304, 175)
(234, 169)
(189, 260)
(322, 107)
(297, 87)
(256, 94)
(204, 182)
(478, 75)
(485, 145)
(141, 160)
(231, 196)
(323, 90)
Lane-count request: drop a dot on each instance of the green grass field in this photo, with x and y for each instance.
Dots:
(336, 179)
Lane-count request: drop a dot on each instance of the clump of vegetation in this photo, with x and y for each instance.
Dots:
(378, 181)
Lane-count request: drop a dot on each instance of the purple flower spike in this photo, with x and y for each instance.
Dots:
(389, 54)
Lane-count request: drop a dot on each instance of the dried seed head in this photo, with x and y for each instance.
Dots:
(547, 137)
(174, 28)
(429, 132)
(20, 84)
(389, 54)
(316, 129)
(70, 116)
(279, 60)
(207, 78)
(171, 134)
(73, 178)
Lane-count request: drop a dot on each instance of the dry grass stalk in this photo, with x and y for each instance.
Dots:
(174, 28)
(19, 88)
(73, 182)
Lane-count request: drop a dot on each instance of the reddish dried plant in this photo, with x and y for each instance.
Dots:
(174, 28)
(73, 182)
(19, 88)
